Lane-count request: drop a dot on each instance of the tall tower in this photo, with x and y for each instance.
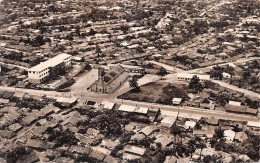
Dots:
(101, 73)
(101, 82)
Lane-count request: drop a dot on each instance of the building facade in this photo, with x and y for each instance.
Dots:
(51, 67)
(188, 77)
(109, 81)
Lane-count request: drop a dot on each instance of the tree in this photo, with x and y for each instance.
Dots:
(88, 67)
(175, 130)
(201, 144)
(134, 84)
(162, 72)
(195, 83)
(192, 147)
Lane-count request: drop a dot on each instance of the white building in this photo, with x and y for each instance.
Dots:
(42, 71)
(188, 77)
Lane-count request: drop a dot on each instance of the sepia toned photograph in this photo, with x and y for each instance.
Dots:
(129, 81)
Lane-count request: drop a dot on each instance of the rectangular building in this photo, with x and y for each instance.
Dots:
(188, 77)
(42, 71)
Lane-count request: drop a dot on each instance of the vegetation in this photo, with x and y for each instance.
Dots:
(162, 72)
(161, 93)
(133, 83)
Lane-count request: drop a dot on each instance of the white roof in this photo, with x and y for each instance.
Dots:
(135, 149)
(51, 62)
(229, 134)
(253, 124)
(189, 124)
(168, 121)
(127, 108)
(108, 105)
(186, 75)
(188, 115)
(176, 100)
(67, 100)
(169, 113)
(141, 110)
(133, 46)
(235, 103)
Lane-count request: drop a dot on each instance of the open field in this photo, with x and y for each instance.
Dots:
(159, 92)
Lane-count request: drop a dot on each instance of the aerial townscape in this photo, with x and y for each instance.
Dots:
(131, 81)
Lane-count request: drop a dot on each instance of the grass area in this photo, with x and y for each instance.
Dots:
(156, 92)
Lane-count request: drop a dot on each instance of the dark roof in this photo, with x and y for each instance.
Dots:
(81, 150)
(212, 121)
(32, 157)
(98, 155)
(233, 108)
(110, 159)
(34, 143)
(91, 103)
(251, 111)
(6, 134)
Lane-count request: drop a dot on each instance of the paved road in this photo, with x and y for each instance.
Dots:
(222, 64)
(20, 67)
(167, 67)
(187, 111)
(245, 91)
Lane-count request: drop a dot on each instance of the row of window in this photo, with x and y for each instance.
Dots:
(44, 74)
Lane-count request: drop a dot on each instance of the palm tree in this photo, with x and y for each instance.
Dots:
(175, 130)
(201, 144)
(192, 144)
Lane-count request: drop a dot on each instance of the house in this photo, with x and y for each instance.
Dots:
(148, 130)
(137, 137)
(110, 159)
(109, 81)
(229, 135)
(251, 111)
(91, 103)
(34, 143)
(204, 133)
(241, 136)
(108, 105)
(235, 108)
(134, 150)
(188, 77)
(6, 134)
(98, 155)
(109, 144)
(254, 125)
(4, 101)
(234, 103)
(15, 127)
(164, 139)
(51, 67)
(176, 101)
(67, 102)
(211, 121)
(86, 150)
(32, 157)
(168, 121)
(29, 120)
(141, 110)
(189, 124)
(127, 108)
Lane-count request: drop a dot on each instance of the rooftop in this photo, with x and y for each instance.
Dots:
(186, 75)
(51, 62)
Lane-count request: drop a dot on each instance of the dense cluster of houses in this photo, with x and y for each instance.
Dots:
(115, 39)
(27, 126)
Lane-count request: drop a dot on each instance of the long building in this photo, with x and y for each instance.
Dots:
(188, 77)
(45, 70)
